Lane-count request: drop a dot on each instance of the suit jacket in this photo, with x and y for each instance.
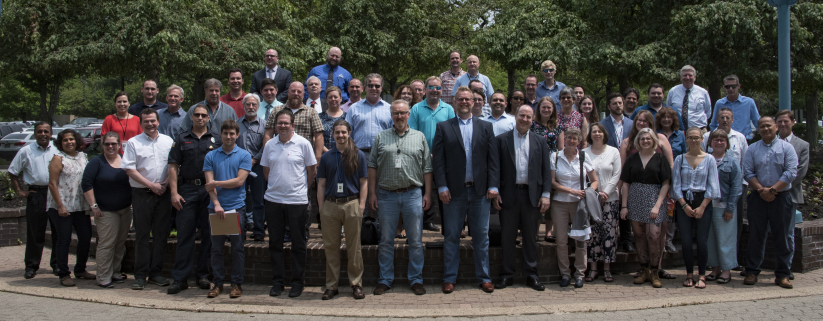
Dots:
(282, 78)
(323, 104)
(609, 124)
(540, 174)
(449, 161)
(801, 147)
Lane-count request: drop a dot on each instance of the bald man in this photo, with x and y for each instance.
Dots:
(331, 74)
(473, 73)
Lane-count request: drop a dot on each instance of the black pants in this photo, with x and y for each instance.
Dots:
(625, 227)
(519, 214)
(770, 217)
(194, 215)
(279, 216)
(694, 229)
(63, 225)
(151, 221)
(36, 219)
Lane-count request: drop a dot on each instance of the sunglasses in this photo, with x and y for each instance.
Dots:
(518, 98)
(730, 86)
(374, 86)
(199, 115)
(435, 87)
(110, 144)
(548, 70)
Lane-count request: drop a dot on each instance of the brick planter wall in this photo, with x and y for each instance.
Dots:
(808, 247)
(12, 226)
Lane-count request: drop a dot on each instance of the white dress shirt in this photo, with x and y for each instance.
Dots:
(33, 162)
(737, 145)
(568, 174)
(521, 157)
(270, 73)
(618, 128)
(700, 105)
(607, 166)
(317, 105)
(150, 157)
(287, 169)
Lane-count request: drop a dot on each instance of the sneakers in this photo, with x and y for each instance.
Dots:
(159, 280)
(670, 247)
(215, 291)
(173, 233)
(67, 281)
(106, 285)
(236, 291)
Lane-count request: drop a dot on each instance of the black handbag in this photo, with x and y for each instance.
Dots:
(370, 231)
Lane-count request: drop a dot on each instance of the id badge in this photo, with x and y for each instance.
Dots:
(340, 187)
(397, 162)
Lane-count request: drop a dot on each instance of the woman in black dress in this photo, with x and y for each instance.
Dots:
(646, 176)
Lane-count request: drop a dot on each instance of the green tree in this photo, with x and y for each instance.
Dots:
(807, 61)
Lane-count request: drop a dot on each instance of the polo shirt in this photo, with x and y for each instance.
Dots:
(744, 111)
(137, 108)
(424, 119)
(332, 168)
(287, 169)
(236, 104)
(226, 167)
(216, 117)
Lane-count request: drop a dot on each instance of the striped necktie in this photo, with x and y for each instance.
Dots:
(686, 108)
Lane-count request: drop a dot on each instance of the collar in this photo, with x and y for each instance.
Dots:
(281, 142)
(149, 137)
(272, 69)
(329, 67)
(684, 87)
(465, 122)
(243, 119)
(426, 103)
(190, 133)
(233, 150)
(543, 83)
(775, 140)
(393, 130)
(179, 111)
(788, 138)
(517, 133)
(562, 152)
(459, 73)
(49, 146)
(504, 115)
(469, 75)
(615, 121)
(302, 106)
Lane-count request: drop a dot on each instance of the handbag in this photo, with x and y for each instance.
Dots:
(370, 231)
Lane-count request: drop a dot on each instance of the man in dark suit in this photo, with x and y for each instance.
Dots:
(785, 122)
(313, 88)
(280, 75)
(525, 191)
(466, 174)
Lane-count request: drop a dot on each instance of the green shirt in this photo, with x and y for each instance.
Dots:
(424, 119)
(414, 156)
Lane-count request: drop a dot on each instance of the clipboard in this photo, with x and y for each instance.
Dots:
(228, 226)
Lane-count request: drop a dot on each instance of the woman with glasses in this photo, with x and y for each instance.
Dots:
(106, 186)
(121, 122)
(668, 124)
(568, 117)
(694, 185)
(722, 243)
(545, 125)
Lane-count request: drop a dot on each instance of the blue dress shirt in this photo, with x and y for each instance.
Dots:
(744, 111)
(368, 120)
(466, 78)
(137, 108)
(341, 79)
(554, 92)
(501, 125)
(170, 122)
(770, 163)
(466, 130)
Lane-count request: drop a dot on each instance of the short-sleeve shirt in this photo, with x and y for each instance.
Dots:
(306, 121)
(33, 162)
(414, 156)
(287, 169)
(236, 104)
(368, 120)
(657, 170)
(550, 135)
(225, 167)
(425, 119)
(333, 169)
(567, 173)
(150, 157)
(189, 152)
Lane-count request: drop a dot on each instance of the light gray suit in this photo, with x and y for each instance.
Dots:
(801, 147)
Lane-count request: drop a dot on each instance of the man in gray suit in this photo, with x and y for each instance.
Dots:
(785, 122)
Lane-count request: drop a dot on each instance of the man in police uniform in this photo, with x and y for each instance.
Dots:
(191, 199)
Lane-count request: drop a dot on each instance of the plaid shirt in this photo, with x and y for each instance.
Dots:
(306, 122)
(447, 80)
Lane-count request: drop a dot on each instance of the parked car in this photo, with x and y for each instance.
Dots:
(9, 128)
(90, 134)
(80, 122)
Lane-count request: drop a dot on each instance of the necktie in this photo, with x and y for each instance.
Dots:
(312, 104)
(270, 73)
(686, 108)
(330, 79)
(268, 110)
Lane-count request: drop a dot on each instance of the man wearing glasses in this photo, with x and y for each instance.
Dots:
(424, 117)
(530, 89)
(744, 109)
(449, 77)
(550, 86)
(281, 76)
(473, 73)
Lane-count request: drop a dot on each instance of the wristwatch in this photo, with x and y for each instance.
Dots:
(772, 190)
(94, 206)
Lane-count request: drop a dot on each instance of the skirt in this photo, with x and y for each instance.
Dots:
(642, 198)
(603, 244)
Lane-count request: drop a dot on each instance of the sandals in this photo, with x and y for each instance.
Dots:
(711, 277)
(689, 282)
(699, 282)
(607, 276)
(400, 236)
(722, 280)
(665, 275)
(592, 276)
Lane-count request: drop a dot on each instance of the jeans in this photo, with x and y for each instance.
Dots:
(701, 226)
(238, 254)
(194, 215)
(334, 216)
(151, 217)
(722, 240)
(37, 218)
(790, 232)
(255, 188)
(390, 206)
(279, 216)
(764, 216)
(63, 224)
(112, 231)
(476, 207)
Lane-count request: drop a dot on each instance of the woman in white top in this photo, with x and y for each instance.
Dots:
(606, 161)
(68, 207)
(567, 194)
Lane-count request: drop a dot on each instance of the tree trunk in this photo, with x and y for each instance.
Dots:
(512, 74)
(198, 94)
(44, 112)
(811, 118)
(623, 82)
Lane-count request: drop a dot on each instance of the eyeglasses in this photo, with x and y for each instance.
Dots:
(694, 137)
(399, 113)
(548, 70)
(435, 87)
(730, 86)
(373, 86)
(271, 56)
(478, 99)
(110, 144)
(283, 124)
(497, 100)
(199, 115)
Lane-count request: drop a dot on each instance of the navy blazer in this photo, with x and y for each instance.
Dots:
(540, 174)
(282, 78)
(449, 156)
(609, 124)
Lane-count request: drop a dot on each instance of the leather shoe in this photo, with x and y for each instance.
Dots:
(236, 291)
(791, 276)
(578, 282)
(177, 286)
(30, 274)
(534, 283)
(204, 283)
(750, 279)
(448, 287)
(380, 289)
(487, 287)
(215, 291)
(329, 294)
(564, 281)
(296, 291)
(784, 283)
(430, 227)
(504, 282)
(418, 289)
(357, 292)
(276, 290)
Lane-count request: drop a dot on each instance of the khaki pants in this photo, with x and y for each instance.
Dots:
(112, 230)
(333, 216)
(562, 216)
(649, 243)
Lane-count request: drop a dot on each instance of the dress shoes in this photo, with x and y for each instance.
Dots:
(329, 294)
(203, 283)
(380, 289)
(177, 286)
(85, 276)
(258, 238)
(448, 287)
(29, 274)
(236, 291)
(296, 291)
(418, 289)
(357, 292)
(783, 283)
(215, 291)
(534, 283)
(564, 281)
(504, 282)
(430, 227)
(487, 287)
(628, 247)
(67, 281)
(276, 290)
(578, 282)
(158, 280)
(750, 279)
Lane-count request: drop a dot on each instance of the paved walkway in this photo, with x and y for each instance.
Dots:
(466, 301)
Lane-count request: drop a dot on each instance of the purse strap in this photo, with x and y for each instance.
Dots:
(582, 157)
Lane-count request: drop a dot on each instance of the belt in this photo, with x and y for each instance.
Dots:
(194, 181)
(468, 184)
(522, 186)
(37, 188)
(342, 199)
(366, 150)
(403, 190)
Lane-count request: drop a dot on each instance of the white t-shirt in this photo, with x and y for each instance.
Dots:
(287, 169)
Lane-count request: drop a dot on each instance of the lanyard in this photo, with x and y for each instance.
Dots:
(337, 163)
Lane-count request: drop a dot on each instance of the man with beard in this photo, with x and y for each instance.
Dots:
(655, 103)
(331, 74)
(449, 77)
(630, 99)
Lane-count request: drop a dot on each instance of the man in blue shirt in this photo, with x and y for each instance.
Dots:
(744, 108)
(770, 167)
(550, 86)
(331, 74)
(370, 116)
(501, 121)
(226, 170)
(655, 103)
(149, 91)
(172, 116)
(473, 73)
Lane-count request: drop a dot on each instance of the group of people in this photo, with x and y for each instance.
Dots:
(450, 143)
